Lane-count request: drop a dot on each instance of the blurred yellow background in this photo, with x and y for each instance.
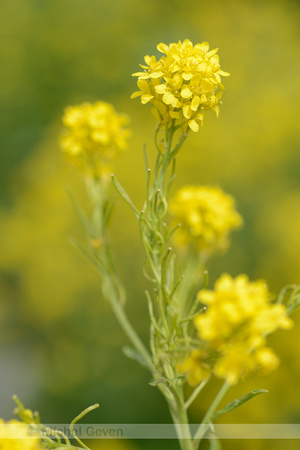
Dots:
(60, 346)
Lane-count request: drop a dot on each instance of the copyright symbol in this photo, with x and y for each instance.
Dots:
(32, 431)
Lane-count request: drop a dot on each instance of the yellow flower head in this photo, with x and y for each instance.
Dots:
(235, 364)
(94, 135)
(181, 84)
(238, 319)
(14, 436)
(195, 367)
(207, 215)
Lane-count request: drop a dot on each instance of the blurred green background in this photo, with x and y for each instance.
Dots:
(60, 346)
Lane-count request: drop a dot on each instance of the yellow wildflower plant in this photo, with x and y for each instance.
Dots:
(14, 435)
(94, 135)
(207, 216)
(183, 83)
(234, 327)
(225, 336)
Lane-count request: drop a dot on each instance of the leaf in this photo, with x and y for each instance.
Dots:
(134, 354)
(284, 291)
(81, 249)
(79, 211)
(166, 381)
(159, 381)
(238, 402)
(86, 255)
(124, 195)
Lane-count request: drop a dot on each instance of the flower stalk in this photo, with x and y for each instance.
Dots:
(207, 420)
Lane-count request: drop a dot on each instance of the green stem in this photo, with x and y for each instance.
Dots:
(131, 334)
(157, 256)
(186, 437)
(195, 394)
(208, 416)
(82, 414)
(110, 292)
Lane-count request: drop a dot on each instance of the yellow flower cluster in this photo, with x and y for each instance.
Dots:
(196, 367)
(94, 135)
(207, 215)
(233, 331)
(181, 84)
(14, 436)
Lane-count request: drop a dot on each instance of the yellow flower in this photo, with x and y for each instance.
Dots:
(239, 306)
(207, 215)
(195, 367)
(94, 135)
(239, 317)
(235, 364)
(14, 436)
(182, 83)
(266, 359)
(271, 318)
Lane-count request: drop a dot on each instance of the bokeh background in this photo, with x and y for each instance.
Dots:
(60, 346)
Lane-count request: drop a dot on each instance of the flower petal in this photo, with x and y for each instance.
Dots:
(193, 125)
(224, 74)
(177, 81)
(140, 74)
(143, 85)
(163, 48)
(203, 46)
(212, 52)
(136, 94)
(206, 86)
(195, 81)
(156, 74)
(168, 98)
(195, 103)
(161, 88)
(186, 92)
(187, 111)
(146, 98)
(187, 76)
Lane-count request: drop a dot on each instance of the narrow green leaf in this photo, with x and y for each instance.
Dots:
(134, 354)
(238, 402)
(79, 211)
(293, 306)
(157, 381)
(205, 280)
(165, 381)
(82, 414)
(87, 255)
(284, 291)
(108, 211)
(145, 159)
(124, 195)
(81, 249)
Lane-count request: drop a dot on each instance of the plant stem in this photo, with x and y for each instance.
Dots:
(195, 394)
(131, 334)
(157, 256)
(186, 437)
(207, 418)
